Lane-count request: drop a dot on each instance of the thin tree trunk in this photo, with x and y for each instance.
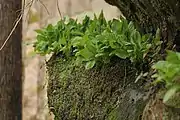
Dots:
(10, 61)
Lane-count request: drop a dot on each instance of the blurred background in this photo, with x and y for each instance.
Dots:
(38, 14)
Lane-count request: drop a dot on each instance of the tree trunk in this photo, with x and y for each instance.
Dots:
(150, 15)
(10, 61)
(153, 14)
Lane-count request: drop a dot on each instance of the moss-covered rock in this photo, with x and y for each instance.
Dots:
(103, 93)
(106, 92)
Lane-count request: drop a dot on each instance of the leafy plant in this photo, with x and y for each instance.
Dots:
(168, 72)
(94, 41)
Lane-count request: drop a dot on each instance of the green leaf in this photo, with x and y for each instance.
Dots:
(101, 15)
(79, 41)
(90, 64)
(124, 26)
(50, 27)
(169, 94)
(117, 26)
(102, 18)
(85, 23)
(120, 53)
(112, 44)
(178, 54)
(136, 38)
(105, 47)
(145, 37)
(79, 60)
(95, 17)
(85, 53)
(90, 46)
(99, 55)
(173, 57)
(157, 34)
(131, 26)
(62, 41)
(77, 33)
(159, 65)
(39, 31)
(76, 41)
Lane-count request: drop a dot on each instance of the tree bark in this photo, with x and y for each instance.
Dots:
(150, 15)
(10, 61)
(153, 14)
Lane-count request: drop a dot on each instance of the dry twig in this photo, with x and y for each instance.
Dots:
(14, 27)
(29, 5)
(59, 11)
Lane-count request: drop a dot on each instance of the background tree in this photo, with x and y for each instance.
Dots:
(10, 60)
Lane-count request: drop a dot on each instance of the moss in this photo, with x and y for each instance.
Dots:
(113, 115)
(78, 94)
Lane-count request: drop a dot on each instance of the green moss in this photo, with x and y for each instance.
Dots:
(113, 115)
(78, 94)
